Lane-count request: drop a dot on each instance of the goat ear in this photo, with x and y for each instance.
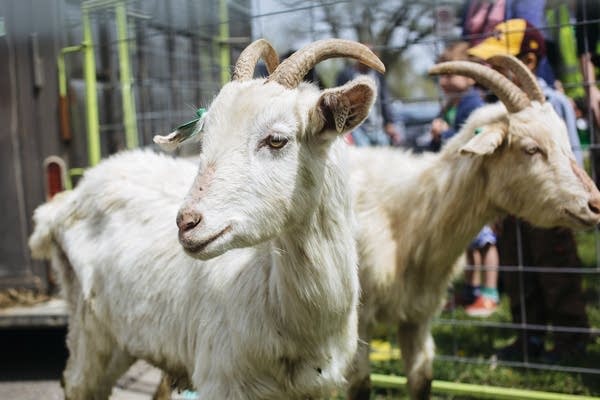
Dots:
(485, 141)
(342, 109)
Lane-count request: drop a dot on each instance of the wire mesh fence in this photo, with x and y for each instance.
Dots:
(546, 336)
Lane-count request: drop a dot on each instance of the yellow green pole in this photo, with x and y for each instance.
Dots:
(476, 391)
(129, 116)
(224, 54)
(63, 101)
(91, 98)
(62, 71)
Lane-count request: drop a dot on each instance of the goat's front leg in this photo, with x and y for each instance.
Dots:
(418, 349)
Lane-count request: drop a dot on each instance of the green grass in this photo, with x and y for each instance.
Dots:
(586, 247)
(481, 343)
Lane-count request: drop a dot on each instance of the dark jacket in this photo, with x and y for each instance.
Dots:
(467, 103)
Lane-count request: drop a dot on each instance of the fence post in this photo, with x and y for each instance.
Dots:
(129, 116)
(91, 98)
(224, 55)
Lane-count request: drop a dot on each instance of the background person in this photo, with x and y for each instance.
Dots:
(479, 17)
(548, 298)
(587, 35)
(482, 280)
(461, 97)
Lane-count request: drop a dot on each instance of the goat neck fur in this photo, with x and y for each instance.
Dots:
(418, 213)
(262, 302)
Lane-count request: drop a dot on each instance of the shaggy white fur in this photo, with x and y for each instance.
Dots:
(418, 213)
(264, 303)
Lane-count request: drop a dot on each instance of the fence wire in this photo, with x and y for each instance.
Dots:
(176, 68)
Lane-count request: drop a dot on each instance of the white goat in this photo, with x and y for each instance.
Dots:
(417, 214)
(270, 311)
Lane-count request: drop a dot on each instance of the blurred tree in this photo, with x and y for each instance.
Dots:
(406, 34)
(390, 26)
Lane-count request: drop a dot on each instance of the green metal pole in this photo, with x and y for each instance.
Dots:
(62, 70)
(224, 54)
(129, 115)
(62, 74)
(476, 391)
(63, 101)
(91, 98)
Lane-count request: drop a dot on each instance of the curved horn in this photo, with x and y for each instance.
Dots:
(513, 98)
(527, 81)
(244, 67)
(292, 70)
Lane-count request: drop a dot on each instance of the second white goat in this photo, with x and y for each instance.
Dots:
(418, 213)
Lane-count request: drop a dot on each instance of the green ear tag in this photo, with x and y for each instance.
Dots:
(190, 125)
(183, 132)
(478, 130)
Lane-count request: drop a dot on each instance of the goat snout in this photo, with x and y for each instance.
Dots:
(187, 220)
(590, 186)
(594, 205)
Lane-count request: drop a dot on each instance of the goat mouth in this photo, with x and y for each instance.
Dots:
(198, 247)
(582, 221)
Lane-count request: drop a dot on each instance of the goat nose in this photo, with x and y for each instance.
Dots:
(187, 220)
(594, 205)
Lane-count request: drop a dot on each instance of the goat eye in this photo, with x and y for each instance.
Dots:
(276, 141)
(531, 150)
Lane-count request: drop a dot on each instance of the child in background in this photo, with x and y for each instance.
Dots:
(483, 256)
(539, 299)
(461, 98)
